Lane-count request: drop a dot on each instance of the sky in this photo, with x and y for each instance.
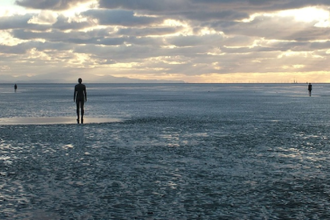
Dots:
(192, 41)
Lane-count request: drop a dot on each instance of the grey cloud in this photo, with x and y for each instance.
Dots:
(290, 4)
(17, 49)
(111, 41)
(122, 53)
(185, 41)
(62, 23)
(304, 46)
(90, 37)
(20, 22)
(243, 50)
(148, 31)
(153, 41)
(259, 5)
(175, 9)
(145, 5)
(180, 7)
(97, 37)
(274, 28)
(215, 15)
(320, 45)
(310, 34)
(51, 46)
(120, 17)
(28, 35)
(116, 41)
(49, 4)
(40, 46)
(238, 40)
(244, 46)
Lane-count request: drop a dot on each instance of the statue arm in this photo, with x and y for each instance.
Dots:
(85, 94)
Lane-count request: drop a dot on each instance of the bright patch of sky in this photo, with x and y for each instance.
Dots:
(319, 15)
(7, 2)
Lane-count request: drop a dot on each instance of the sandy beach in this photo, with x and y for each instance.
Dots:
(192, 152)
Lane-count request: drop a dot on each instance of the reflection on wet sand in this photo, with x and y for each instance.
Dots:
(53, 120)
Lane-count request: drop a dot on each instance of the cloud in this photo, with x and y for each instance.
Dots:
(254, 6)
(215, 15)
(121, 17)
(282, 28)
(44, 17)
(95, 37)
(20, 22)
(49, 4)
(211, 8)
(64, 23)
(174, 9)
(193, 40)
(168, 39)
(42, 22)
(17, 49)
(149, 31)
(145, 5)
(58, 36)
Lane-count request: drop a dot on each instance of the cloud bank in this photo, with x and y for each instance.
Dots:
(172, 40)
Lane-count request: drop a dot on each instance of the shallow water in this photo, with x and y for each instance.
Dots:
(179, 151)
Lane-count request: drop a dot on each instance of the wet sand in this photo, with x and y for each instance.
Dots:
(178, 152)
(53, 120)
(165, 168)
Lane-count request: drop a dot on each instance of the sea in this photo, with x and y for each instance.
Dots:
(165, 151)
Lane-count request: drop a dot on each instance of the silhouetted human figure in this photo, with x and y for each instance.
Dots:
(80, 97)
(310, 89)
(15, 87)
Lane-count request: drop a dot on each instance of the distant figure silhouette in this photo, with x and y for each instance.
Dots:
(80, 97)
(15, 87)
(310, 89)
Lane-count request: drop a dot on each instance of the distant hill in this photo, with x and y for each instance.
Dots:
(94, 79)
(112, 79)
